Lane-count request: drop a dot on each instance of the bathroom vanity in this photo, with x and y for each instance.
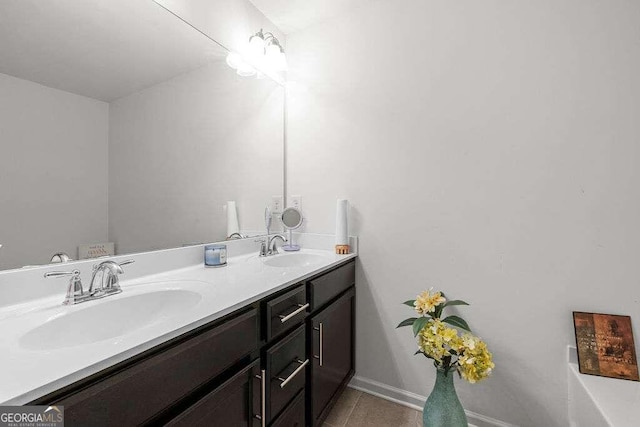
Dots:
(164, 138)
(281, 358)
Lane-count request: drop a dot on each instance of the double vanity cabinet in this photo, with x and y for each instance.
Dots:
(281, 361)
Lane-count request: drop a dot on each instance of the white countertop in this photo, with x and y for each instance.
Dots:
(617, 401)
(27, 374)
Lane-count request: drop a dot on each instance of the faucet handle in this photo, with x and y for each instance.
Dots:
(75, 284)
(62, 273)
(127, 262)
(263, 246)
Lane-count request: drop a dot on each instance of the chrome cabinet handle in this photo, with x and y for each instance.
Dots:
(320, 328)
(284, 318)
(285, 381)
(263, 403)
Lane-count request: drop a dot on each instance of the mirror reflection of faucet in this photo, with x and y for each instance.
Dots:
(236, 235)
(60, 257)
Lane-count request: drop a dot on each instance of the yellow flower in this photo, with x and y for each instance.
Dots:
(427, 302)
(437, 340)
(475, 360)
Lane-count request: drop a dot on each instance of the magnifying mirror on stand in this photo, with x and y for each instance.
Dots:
(291, 219)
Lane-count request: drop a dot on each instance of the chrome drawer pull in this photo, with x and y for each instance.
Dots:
(301, 308)
(284, 381)
(320, 329)
(263, 402)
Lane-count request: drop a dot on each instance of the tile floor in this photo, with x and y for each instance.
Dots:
(355, 408)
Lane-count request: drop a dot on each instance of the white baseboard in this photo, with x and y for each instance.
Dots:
(416, 401)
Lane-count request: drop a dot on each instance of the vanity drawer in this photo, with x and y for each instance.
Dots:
(327, 286)
(234, 403)
(286, 368)
(135, 394)
(286, 311)
(294, 415)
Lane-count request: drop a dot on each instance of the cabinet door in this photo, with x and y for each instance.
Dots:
(161, 380)
(294, 415)
(333, 356)
(236, 403)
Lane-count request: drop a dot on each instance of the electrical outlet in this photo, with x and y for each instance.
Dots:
(296, 202)
(276, 204)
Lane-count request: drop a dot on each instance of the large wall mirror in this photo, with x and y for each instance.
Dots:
(121, 124)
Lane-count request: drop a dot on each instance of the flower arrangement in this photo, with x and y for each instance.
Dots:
(449, 350)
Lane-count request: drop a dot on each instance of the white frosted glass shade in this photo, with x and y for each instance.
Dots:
(234, 60)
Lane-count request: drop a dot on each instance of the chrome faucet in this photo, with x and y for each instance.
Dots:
(104, 282)
(235, 236)
(268, 244)
(60, 257)
(271, 243)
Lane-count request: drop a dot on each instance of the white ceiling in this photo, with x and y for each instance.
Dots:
(295, 15)
(103, 49)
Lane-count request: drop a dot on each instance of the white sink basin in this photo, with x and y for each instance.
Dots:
(294, 260)
(108, 318)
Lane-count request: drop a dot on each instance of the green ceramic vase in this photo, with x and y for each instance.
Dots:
(443, 408)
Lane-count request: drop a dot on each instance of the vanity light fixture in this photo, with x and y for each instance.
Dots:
(264, 51)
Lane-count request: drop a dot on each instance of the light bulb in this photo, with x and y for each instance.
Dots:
(233, 60)
(256, 46)
(272, 56)
(281, 62)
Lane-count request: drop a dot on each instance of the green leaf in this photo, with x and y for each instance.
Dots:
(410, 303)
(455, 302)
(407, 322)
(418, 324)
(438, 311)
(456, 321)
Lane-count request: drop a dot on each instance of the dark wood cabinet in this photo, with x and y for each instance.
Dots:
(324, 288)
(286, 374)
(160, 380)
(285, 311)
(279, 362)
(236, 403)
(333, 354)
(294, 415)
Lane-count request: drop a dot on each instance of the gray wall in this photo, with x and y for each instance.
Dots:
(53, 172)
(489, 149)
(178, 151)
